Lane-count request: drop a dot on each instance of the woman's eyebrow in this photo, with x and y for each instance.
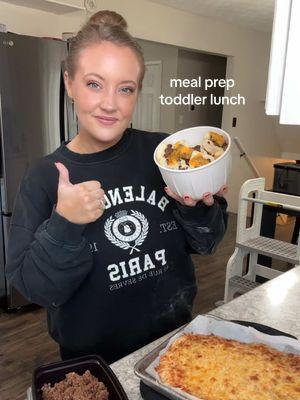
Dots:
(94, 74)
(100, 77)
(129, 81)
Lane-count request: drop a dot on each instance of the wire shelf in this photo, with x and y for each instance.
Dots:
(242, 284)
(273, 248)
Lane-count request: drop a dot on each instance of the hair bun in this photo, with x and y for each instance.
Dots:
(106, 17)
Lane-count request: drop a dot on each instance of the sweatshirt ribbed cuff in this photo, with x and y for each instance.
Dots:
(201, 210)
(197, 212)
(62, 230)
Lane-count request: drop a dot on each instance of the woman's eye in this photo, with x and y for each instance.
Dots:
(127, 90)
(93, 85)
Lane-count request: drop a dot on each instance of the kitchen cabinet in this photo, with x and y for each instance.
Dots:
(52, 6)
(283, 81)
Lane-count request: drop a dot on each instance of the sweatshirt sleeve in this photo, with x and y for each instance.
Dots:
(47, 257)
(204, 226)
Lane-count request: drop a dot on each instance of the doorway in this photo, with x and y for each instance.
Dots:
(147, 112)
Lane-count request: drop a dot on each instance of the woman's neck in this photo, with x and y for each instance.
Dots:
(87, 145)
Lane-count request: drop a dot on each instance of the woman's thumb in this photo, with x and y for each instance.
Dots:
(63, 177)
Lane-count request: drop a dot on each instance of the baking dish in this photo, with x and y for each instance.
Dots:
(53, 373)
(143, 366)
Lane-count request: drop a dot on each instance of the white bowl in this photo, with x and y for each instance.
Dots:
(197, 181)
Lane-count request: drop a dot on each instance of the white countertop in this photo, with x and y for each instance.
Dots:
(275, 303)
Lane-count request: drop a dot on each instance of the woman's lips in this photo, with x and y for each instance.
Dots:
(106, 120)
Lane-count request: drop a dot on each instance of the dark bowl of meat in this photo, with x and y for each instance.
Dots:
(84, 378)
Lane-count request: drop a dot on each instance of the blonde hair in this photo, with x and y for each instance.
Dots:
(107, 26)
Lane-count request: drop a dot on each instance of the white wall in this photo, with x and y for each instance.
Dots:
(289, 139)
(248, 65)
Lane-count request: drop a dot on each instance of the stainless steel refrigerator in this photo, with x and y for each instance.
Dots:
(35, 117)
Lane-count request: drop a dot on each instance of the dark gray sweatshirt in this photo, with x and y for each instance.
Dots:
(113, 285)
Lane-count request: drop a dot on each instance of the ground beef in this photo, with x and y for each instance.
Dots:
(76, 387)
(168, 150)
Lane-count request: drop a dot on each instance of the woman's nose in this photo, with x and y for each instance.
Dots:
(108, 100)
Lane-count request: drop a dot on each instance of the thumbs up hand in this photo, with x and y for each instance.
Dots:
(81, 203)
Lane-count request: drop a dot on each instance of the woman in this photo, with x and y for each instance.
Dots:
(94, 237)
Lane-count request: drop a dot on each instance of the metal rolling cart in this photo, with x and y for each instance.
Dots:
(250, 242)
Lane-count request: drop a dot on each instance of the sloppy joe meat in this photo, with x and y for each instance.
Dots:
(76, 387)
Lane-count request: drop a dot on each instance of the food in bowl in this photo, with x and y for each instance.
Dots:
(76, 387)
(196, 181)
(180, 155)
(215, 368)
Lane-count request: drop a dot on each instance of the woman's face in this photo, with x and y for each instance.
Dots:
(105, 91)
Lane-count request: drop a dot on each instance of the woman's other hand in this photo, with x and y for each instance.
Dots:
(186, 200)
(81, 203)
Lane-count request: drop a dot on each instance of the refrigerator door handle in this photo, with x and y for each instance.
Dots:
(70, 120)
(66, 116)
(4, 200)
(63, 122)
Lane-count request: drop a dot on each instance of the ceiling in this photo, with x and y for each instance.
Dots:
(253, 14)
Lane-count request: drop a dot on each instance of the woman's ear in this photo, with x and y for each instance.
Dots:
(68, 84)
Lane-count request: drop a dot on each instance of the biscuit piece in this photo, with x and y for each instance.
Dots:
(197, 159)
(160, 154)
(210, 147)
(218, 139)
(176, 154)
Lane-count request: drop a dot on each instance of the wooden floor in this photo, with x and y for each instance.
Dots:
(25, 343)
